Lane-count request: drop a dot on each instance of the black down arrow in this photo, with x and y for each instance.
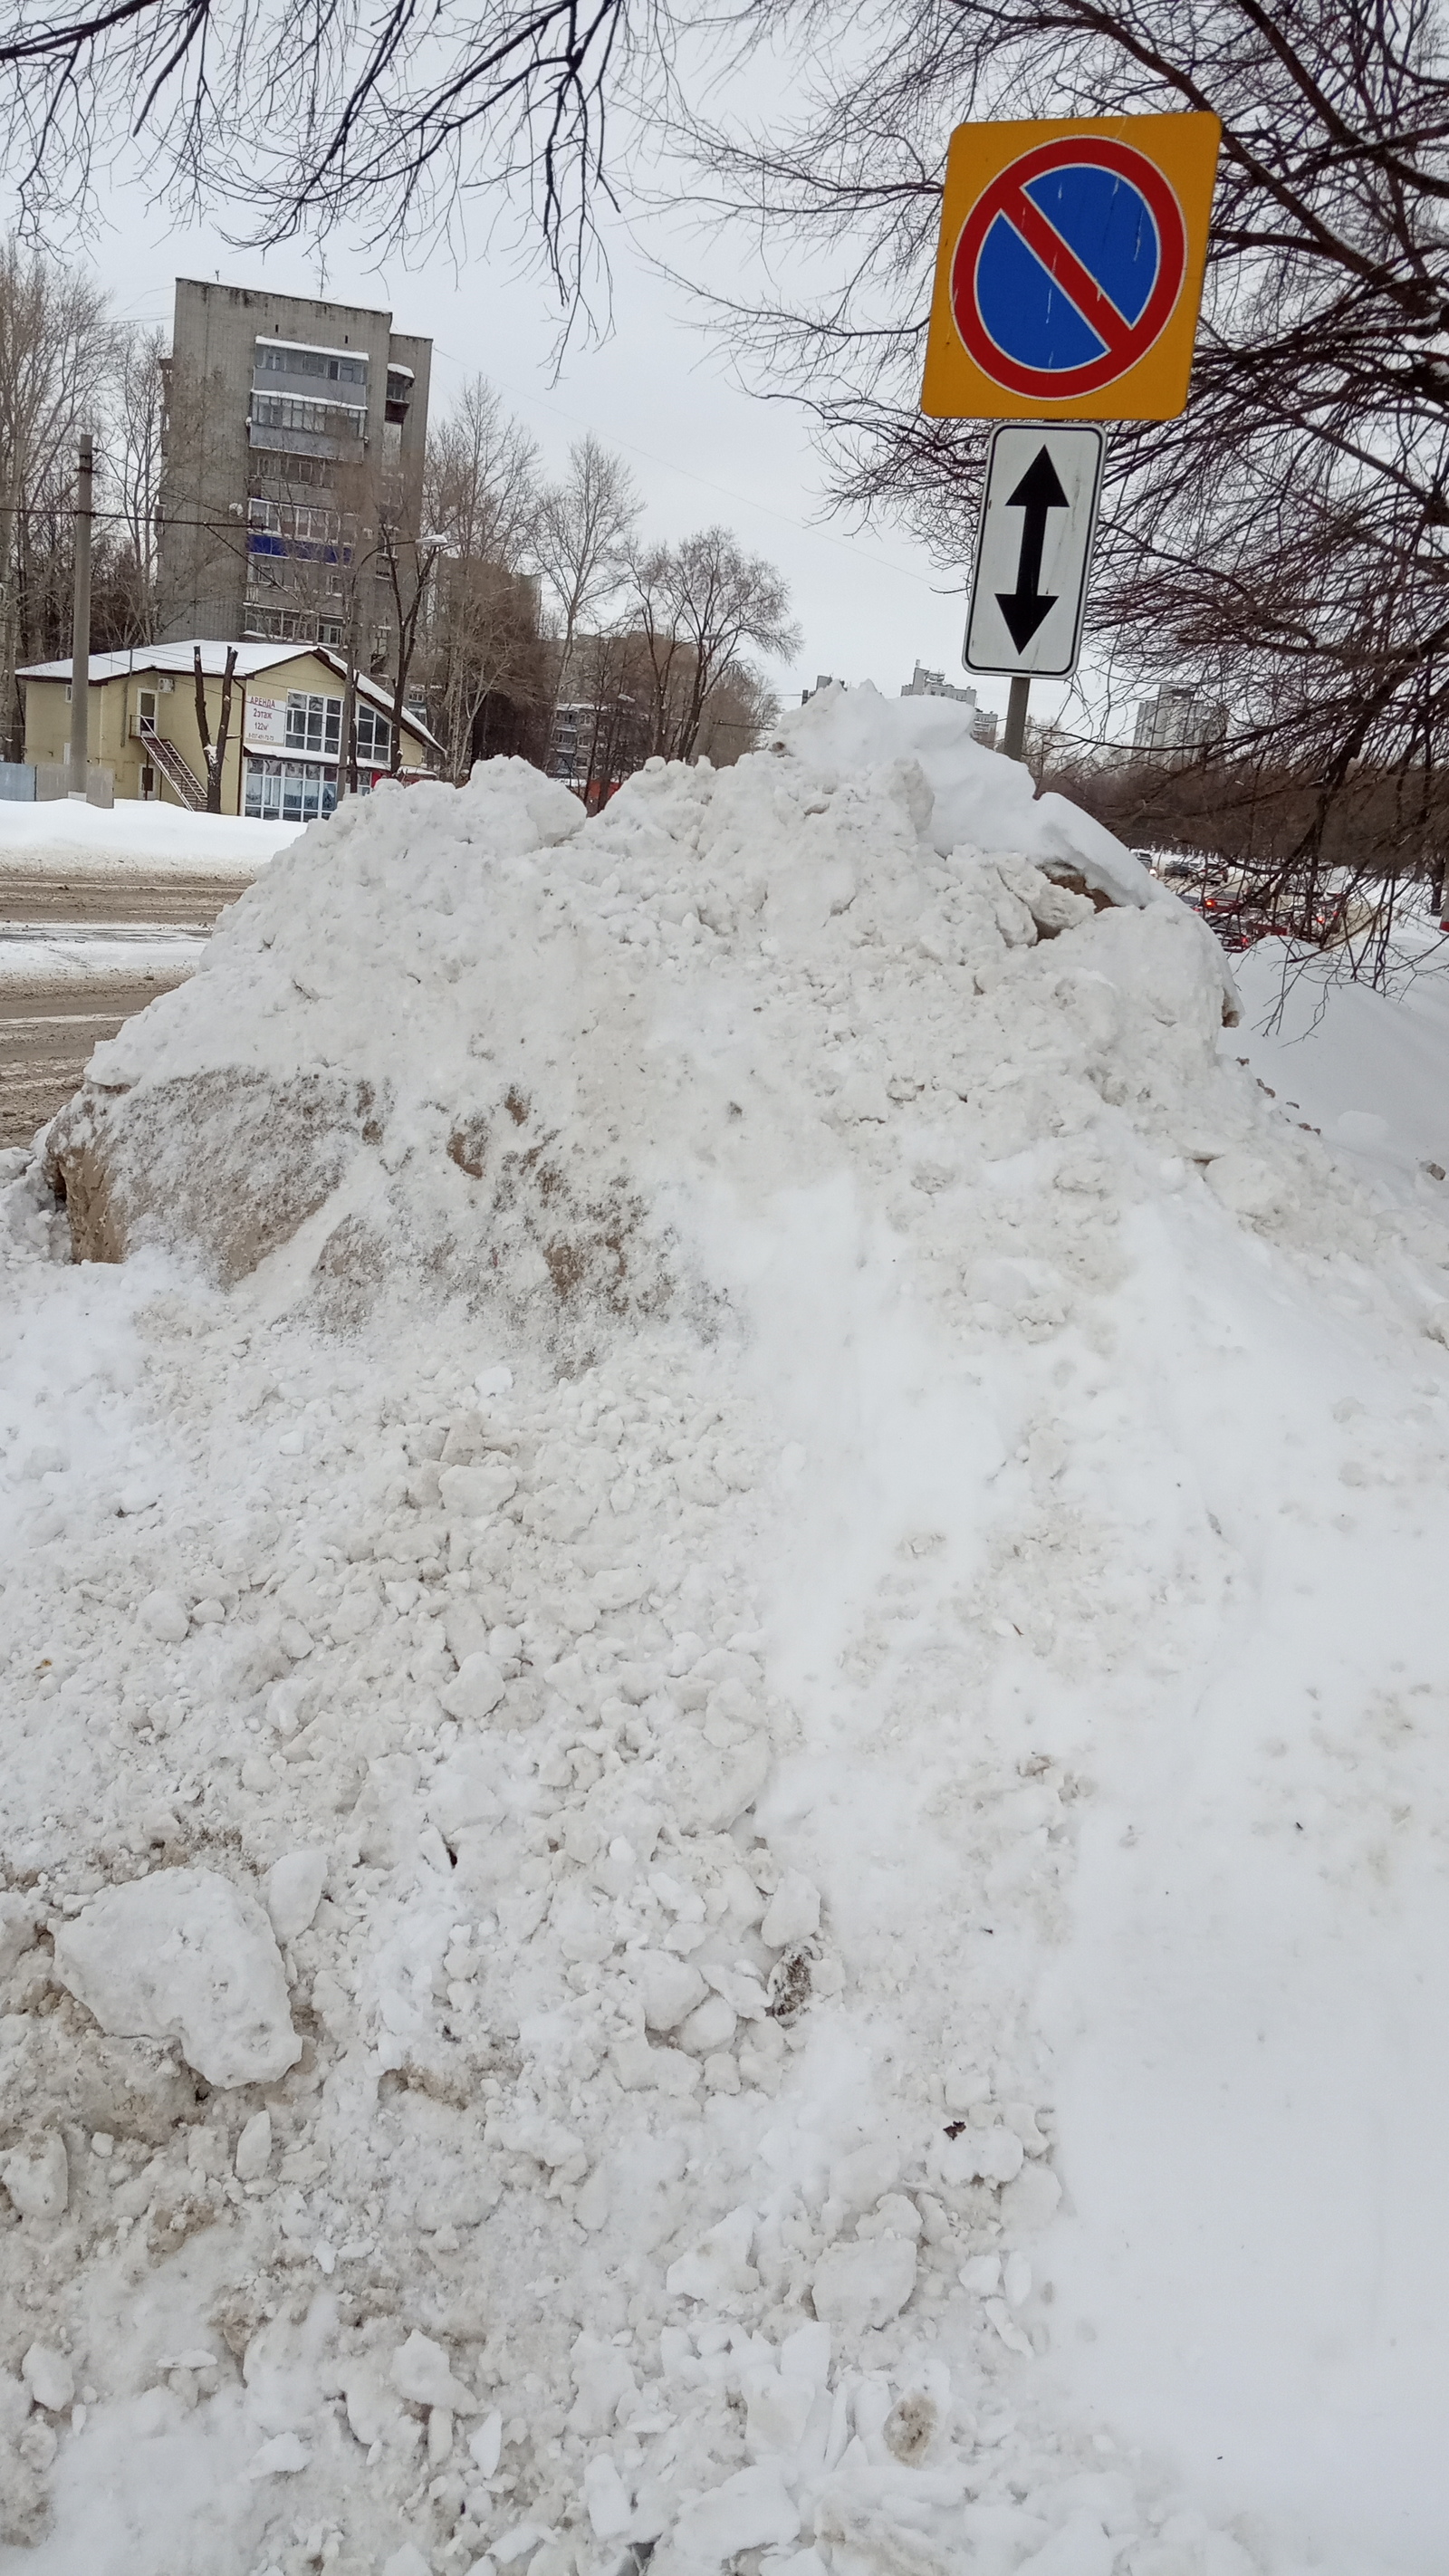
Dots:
(1036, 493)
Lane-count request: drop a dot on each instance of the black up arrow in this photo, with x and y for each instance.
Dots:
(1036, 493)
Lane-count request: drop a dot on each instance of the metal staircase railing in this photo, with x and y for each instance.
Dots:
(177, 772)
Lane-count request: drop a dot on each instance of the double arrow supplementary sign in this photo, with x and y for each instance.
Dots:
(1034, 549)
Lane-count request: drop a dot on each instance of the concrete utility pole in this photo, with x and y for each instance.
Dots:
(80, 638)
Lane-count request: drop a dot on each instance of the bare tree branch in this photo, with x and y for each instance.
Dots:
(303, 116)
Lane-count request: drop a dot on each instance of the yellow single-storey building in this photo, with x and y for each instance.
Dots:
(283, 738)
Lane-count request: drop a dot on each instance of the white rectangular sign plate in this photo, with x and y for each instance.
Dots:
(1034, 548)
(267, 719)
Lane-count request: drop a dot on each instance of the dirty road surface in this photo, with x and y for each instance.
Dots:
(78, 955)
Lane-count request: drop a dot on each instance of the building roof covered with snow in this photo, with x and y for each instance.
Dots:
(281, 754)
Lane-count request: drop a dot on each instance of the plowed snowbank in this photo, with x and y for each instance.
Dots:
(436, 1029)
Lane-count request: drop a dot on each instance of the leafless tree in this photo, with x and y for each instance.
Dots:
(582, 529)
(698, 606)
(481, 481)
(358, 596)
(480, 496)
(613, 718)
(311, 112)
(613, 729)
(130, 459)
(213, 747)
(56, 345)
(409, 561)
(738, 713)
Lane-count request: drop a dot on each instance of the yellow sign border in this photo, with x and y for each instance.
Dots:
(1185, 149)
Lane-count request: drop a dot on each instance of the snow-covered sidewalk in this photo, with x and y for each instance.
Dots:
(38, 839)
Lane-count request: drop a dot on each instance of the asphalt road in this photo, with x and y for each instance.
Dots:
(131, 895)
(50, 1022)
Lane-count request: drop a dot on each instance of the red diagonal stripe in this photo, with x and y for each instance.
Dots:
(1066, 271)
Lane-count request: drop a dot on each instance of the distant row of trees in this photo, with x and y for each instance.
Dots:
(65, 364)
(1259, 820)
(545, 595)
(501, 597)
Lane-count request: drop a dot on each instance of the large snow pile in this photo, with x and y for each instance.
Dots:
(440, 1030)
(723, 1724)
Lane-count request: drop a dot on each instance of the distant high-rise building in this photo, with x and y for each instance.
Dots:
(1181, 718)
(292, 426)
(933, 684)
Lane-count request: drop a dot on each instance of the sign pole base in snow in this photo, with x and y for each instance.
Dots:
(1014, 743)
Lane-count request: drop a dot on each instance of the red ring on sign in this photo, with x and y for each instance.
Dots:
(1005, 196)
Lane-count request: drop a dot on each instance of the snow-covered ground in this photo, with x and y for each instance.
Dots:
(1367, 1069)
(724, 1810)
(34, 956)
(36, 839)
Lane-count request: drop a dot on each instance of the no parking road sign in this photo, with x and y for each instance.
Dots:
(1070, 269)
(1038, 514)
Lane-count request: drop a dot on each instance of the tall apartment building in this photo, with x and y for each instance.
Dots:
(294, 426)
(1179, 719)
(934, 684)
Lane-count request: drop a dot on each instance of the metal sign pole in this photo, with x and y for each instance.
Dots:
(1014, 744)
(80, 651)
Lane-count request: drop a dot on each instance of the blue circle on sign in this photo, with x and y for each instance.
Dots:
(1067, 267)
(1107, 226)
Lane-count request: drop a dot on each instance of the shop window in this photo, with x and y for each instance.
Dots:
(289, 791)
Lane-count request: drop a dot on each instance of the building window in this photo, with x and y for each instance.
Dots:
(374, 737)
(295, 411)
(313, 723)
(283, 625)
(306, 523)
(274, 480)
(282, 358)
(330, 631)
(289, 791)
